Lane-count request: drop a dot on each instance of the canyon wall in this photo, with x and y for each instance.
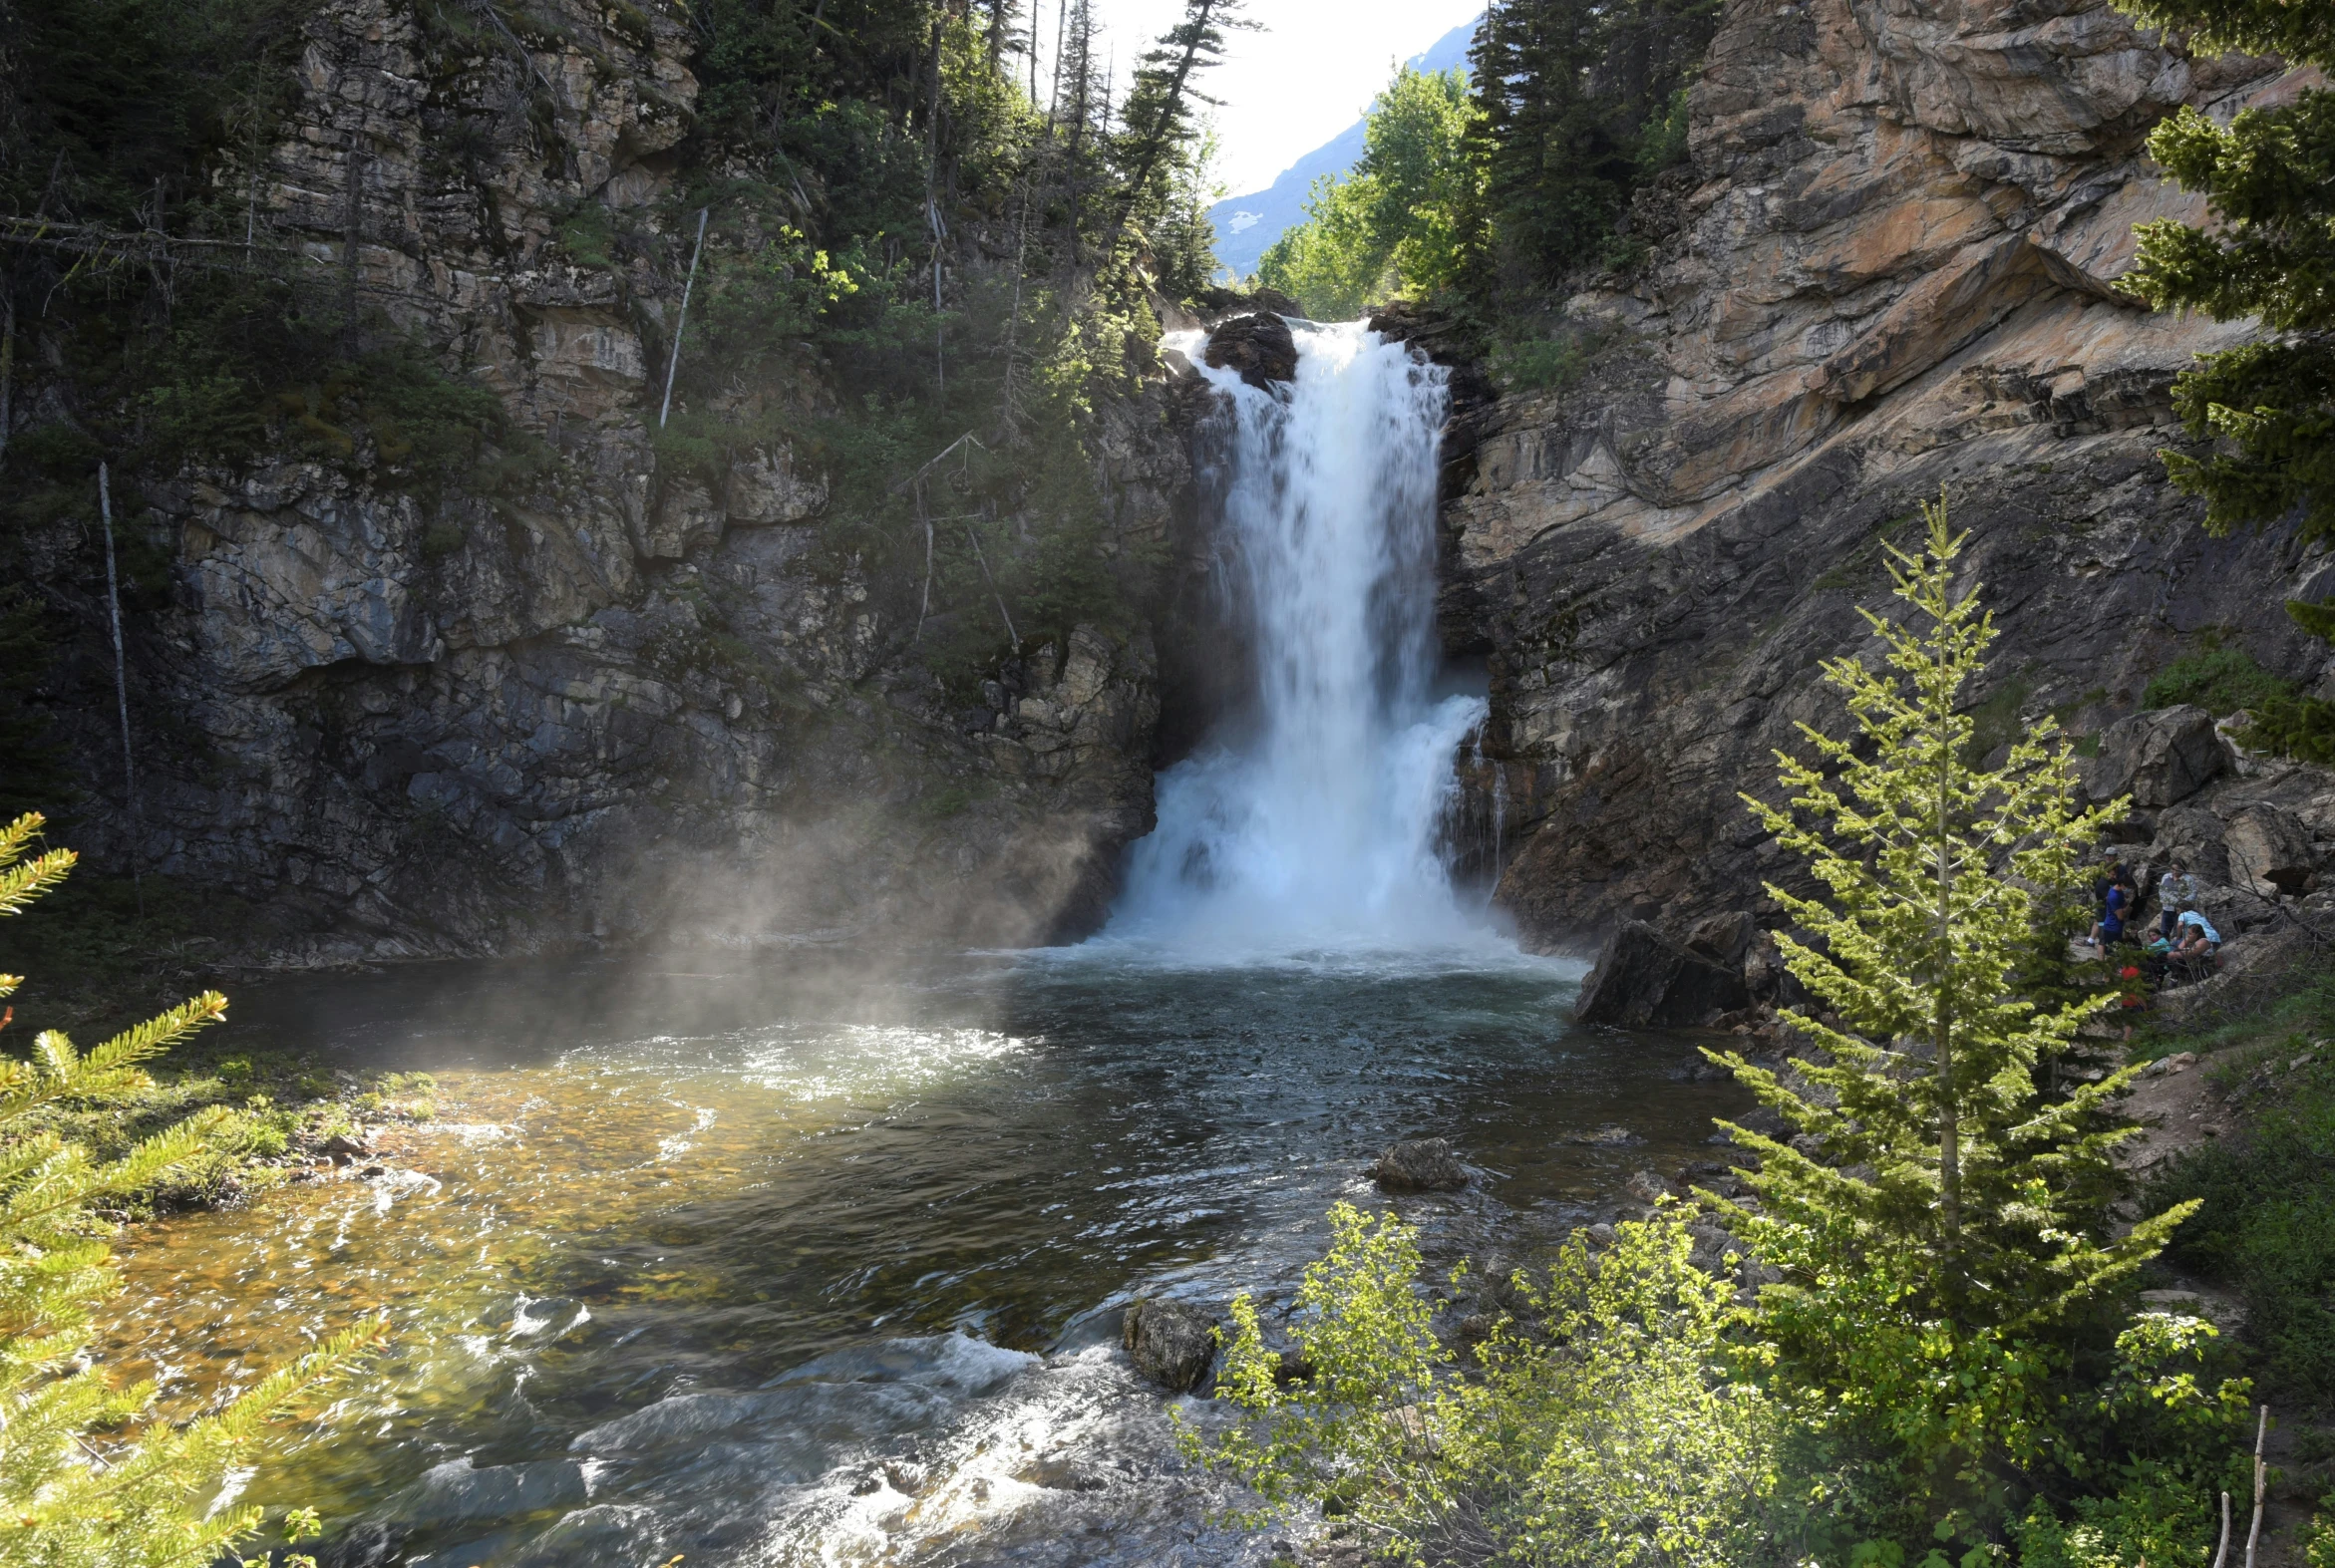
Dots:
(407, 726)
(1892, 270)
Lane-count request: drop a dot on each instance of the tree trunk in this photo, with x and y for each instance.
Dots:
(1156, 142)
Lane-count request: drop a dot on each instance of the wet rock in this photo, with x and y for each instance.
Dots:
(1649, 1187)
(458, 1493)
(1060, 1472)
(1171, 1343)
(1261, 347)
(2159, 758)
(907, 1477)
(1420, 1165)
(342, 1148)
(1645, 980)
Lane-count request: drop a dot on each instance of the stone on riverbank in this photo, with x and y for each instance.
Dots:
(1171, 1343)
(1421, 1165)
(1646, 980)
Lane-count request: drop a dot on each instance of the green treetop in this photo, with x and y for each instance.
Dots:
(1941, 1226)
(1403, 222)
(2269, 180)
(73, 1493)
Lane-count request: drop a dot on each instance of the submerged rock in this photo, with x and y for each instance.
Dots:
(1644, 980)
(1261, 347)
(1421, 1165)
(1171, 1343)
(458, 1493)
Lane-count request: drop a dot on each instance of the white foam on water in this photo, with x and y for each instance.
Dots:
(1317, 824)
(858, 1060)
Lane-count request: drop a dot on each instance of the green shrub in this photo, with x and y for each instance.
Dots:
(1547, 363)
(2220, 678)
(2302, 728)
(2159, 1520)
(1600, 1426)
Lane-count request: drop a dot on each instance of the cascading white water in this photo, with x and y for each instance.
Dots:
(1316, 822)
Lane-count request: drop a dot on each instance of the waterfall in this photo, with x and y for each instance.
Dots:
(1314, 820)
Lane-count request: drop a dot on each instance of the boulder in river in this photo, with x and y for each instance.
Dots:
(1421, 1165)
(1170, 1341)
(1418, 1165)
(1261, 347)
(1644, 980)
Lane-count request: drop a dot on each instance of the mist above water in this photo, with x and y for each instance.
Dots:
(1315, 818)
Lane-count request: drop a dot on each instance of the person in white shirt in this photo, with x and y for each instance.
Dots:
(2176, 890)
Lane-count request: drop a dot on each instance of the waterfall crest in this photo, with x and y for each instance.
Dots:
(1315, 819)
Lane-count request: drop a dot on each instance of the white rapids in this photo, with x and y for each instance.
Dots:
(1315, 821)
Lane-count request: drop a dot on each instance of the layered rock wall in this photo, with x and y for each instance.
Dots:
(406, 726)
(1893, 270)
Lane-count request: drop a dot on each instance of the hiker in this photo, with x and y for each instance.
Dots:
(2114, 907)
(2199, 939)
(2176, 890)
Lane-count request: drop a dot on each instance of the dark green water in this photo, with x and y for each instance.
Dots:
(703, 1243)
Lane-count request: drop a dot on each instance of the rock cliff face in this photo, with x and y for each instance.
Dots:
(411, 729)
(1893, 268)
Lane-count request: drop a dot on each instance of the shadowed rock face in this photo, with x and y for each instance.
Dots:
(639, 701)
(1893, 267)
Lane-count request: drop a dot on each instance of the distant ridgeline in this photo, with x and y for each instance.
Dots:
(1246, 224)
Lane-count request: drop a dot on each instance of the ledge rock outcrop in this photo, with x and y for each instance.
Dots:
(1892, 269)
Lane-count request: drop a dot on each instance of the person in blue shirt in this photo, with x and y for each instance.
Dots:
(2199, 939)
(2114, 907)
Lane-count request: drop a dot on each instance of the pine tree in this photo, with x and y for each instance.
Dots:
(1162, 113)
(72, 1493)
(1942, 1226)
(2269, 180)
(1574, 94)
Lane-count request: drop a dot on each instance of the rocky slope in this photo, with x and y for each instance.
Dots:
(1892, 269)
(408, 728)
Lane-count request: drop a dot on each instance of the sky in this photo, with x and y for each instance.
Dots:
(1307, 73)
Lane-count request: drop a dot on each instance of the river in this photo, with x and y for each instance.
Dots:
(815, 1253)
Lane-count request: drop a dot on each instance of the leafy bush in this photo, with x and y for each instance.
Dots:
(2225, 678)
(1404, 221)
(1600, 1426)
(2220, 678)
(1545, 364)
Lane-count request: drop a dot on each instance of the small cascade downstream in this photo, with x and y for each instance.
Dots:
(1315, 817)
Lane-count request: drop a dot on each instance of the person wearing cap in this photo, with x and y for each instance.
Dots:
(2176, 890)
